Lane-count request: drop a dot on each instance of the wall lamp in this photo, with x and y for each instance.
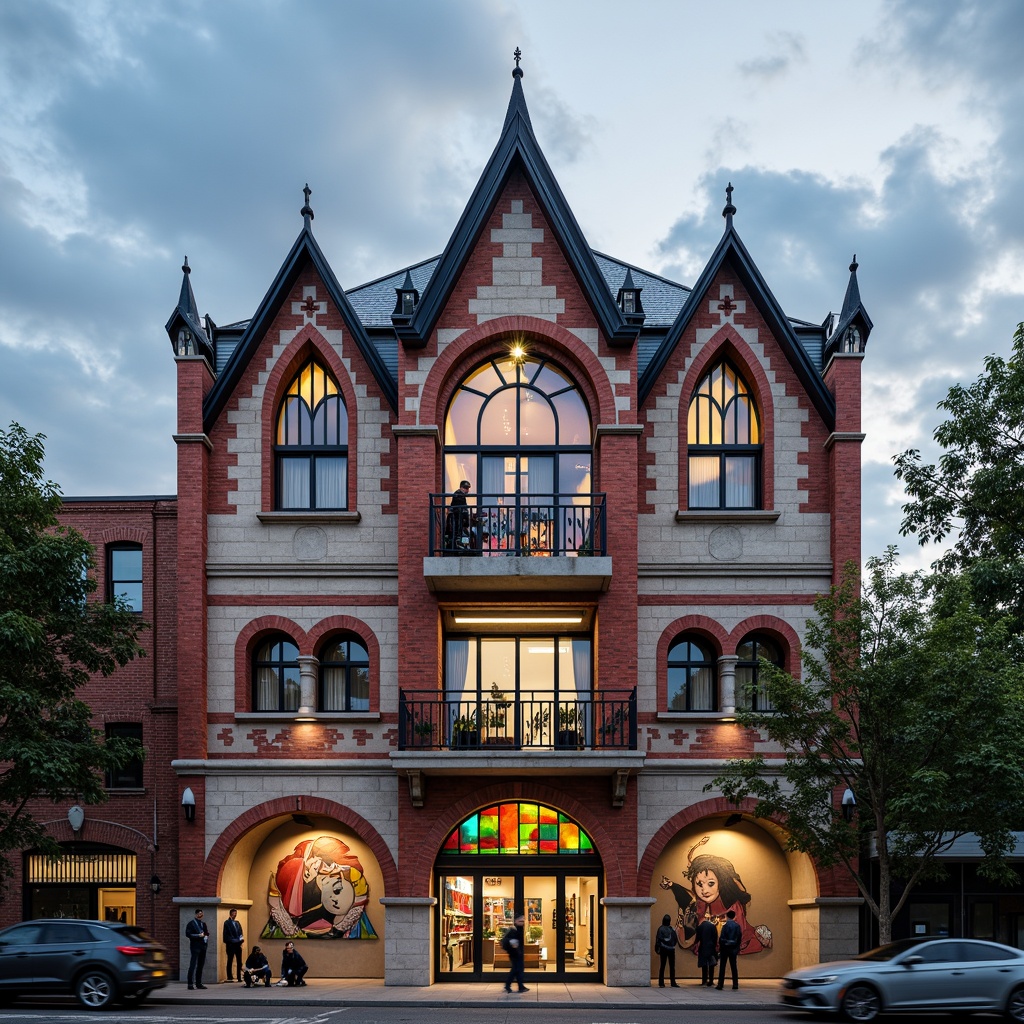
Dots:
(155, 883)
(76, 818)
(849, 803)
(188, 804)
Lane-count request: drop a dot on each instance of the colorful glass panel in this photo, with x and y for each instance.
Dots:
(518, 828)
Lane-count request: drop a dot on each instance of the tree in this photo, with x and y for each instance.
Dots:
(914, 706)
(974, 489)
(53, 638)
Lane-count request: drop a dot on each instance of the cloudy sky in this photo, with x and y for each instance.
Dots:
(134, 132)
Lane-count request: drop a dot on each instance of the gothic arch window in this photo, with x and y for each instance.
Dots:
(275, 675)
(311, 443)
(750, 690)
(519, 430)
(724, 443)
(344, 675)
(692, 675)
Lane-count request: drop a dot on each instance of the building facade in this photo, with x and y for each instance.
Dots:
(468, 571)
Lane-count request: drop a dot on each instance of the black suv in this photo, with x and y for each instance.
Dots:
(96, 961)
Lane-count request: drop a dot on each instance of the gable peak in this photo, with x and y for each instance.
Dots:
(307, 210)
(517, 101)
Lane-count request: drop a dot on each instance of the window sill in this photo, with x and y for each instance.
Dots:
(125, 790)
(310, 516)
(730, 515)
(288, 717)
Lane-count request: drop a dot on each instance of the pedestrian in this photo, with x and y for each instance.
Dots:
(705, 942)
(293, 967)
(665, 943)
(198, 936)
(256, 967)
(728, 947)
(233, 940)
(512, 943)
(459, 532)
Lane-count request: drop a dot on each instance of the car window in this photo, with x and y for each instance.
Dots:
(939, 952)
(889, 950)
(128, 933)
(67, 932)
(23, 936)
(975, 951)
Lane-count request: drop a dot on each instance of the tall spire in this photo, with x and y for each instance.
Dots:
(307, 210)
(730, 211)
(517, 102)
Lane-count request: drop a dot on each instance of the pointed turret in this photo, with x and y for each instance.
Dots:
(628, 301)
(517, 101)
(851, 333)
(406, 298)
(186, 327)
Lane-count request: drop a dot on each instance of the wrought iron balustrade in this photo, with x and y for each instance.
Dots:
(534, 720)
(571, 525)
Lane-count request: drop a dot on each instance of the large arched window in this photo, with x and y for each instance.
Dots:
(344, 675)
(311, 443)
(275, 675)
(518, 427)
(692, 679)
(750, 690)
(723, 437)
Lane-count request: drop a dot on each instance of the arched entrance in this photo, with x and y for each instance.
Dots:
(512, 858)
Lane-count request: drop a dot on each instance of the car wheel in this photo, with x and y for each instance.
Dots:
(1015, 1005)
(861, 1003)
(95, 990)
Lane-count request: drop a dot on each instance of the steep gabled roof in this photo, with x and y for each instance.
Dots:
(517, 148)
(732, 251)
(186, 314)
(304, 251)
(853, 310)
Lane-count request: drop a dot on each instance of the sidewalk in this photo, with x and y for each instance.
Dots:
(751, 995)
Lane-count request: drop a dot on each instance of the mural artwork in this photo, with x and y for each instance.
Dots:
(318, 892)
(716, 888)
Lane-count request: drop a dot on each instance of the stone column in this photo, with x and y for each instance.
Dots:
(825, 928)
(727, 682)
(308, 666)
(407, 931)
(627, 921)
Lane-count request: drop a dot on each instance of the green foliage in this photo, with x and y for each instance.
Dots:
(912, 701)
(973, 492)
(53, 638)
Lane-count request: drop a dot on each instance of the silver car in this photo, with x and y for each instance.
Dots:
(952, 975)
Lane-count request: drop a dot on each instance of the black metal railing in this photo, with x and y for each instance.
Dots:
(532, 721)
(518, 525)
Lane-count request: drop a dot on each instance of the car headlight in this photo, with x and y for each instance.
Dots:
(823, 979)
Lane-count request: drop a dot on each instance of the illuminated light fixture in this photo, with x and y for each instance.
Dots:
(305, 714)
(517, 352)
(76, 818)
(518, 620)
(188, 804)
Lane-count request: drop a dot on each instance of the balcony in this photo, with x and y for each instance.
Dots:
(554, 542)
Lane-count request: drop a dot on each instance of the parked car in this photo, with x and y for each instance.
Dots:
(924, 973)
(96, 961)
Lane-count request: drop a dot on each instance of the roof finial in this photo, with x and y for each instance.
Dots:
(517, 72)
(729, 210)
(854, 265)
(186, 269)
(307, 210)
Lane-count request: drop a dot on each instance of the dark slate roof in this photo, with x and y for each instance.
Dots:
(662, 299)
(374, 302)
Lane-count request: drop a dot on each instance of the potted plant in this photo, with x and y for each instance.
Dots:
(568, 721)
(465, 732)
(534, 932)
(613, 726)
(423, 730)
(497, 716)
(539, 726)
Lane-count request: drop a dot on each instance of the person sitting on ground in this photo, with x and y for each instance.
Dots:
(256, 967)
(293, 967)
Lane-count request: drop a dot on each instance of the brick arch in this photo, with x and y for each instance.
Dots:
(778, 629)
(308, 342)
(703, 626)
(124, 535)
(418, 877)
(491, 338)
(213, 868)
(245, 643)
(109, 833)
(727, 344)
(350, 624)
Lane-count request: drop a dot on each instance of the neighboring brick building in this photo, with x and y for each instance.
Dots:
(402, 717)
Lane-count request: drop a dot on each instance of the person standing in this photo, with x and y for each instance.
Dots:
(705, 942)
(293, 967)
(665, 943)
(512, 943)
(233, 940)
(198, 936)
(459, 532)
(729, 947)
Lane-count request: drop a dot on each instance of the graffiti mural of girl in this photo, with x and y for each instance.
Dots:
(716, 888)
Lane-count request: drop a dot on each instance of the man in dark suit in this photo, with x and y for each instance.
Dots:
(233, 940)
(198, 936)
(512, 943)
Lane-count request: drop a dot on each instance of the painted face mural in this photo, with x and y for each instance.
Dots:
(715, 889)
(318, 892)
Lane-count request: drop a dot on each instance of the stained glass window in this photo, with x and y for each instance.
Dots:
(518, 828)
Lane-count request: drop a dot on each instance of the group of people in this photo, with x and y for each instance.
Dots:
(256, 967)
(711, 947)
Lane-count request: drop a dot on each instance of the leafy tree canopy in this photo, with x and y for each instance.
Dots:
(53, 638)
(973, 492)
(910, 700)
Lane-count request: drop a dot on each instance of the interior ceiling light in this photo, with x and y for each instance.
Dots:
(518, 620)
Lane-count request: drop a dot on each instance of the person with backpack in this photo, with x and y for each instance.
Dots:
(728, 947)
(665, 943)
